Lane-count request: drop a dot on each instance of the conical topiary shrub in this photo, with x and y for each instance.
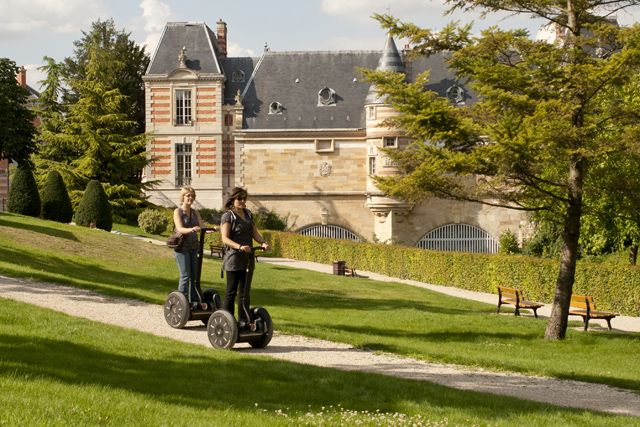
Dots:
(23, 193)
(94, 207)
(56, 204)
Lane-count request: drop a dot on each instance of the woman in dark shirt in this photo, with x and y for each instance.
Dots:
(238, 242)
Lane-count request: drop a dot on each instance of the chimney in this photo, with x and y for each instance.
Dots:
(222, 38)
(22, 77)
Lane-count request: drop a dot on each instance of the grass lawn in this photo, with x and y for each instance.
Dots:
(57, 370)
(389, 317)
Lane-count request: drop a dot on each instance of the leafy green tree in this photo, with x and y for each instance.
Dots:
(23, 193)
(17, 133)
(56, 204)
(110, 57)
(94, 208)
(544, 116)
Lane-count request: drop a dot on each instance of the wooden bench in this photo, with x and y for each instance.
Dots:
(514, 297)
(585, 307)
(350, 271)
(217, 249)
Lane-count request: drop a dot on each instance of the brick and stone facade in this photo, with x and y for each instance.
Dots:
(299, 130)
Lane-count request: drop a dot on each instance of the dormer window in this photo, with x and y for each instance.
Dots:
(275, 108)
(326, 96)
(237, 76)
(456, 95)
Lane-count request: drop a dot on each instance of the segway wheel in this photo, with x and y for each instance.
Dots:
(176, 310)
(267, 327)
(222, 330)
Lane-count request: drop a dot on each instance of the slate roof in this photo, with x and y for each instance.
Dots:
(294, 79)
(199, 41)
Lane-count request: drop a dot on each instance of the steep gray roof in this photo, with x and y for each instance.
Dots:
(275, 81)
(390, 60)
(199, 41)
(294, 79)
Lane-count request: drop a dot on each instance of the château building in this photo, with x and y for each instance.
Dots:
(301, 132)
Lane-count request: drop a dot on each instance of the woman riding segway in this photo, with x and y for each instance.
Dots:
(238, 233)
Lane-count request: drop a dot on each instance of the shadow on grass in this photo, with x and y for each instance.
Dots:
(5, 220)
(221, 380)
(87, 275)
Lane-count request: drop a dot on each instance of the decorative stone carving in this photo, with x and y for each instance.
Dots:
(183, 57)
(324, 169)
(238, 98)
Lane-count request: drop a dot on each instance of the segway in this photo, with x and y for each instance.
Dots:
(254, 325)
(178, 311)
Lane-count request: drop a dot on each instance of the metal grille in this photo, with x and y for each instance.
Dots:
(329, 231)
(459, 238)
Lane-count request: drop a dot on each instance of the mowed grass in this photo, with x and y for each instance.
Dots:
(57, 370)
(379, 316)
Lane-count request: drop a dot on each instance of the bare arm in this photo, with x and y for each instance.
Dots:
(177, 221)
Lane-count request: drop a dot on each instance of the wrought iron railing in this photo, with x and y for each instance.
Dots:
(459, 238)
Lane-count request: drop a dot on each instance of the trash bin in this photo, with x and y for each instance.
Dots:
(338, 267)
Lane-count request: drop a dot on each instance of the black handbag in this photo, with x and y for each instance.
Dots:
(175, 239)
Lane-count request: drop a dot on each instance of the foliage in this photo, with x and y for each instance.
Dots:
(24, 198)
(508, 242)
(546, 242)
(94, 208)
(613, 286)
(544, 115)
(153, 221)
(98, 130)
(56, 204)
(270, 220)
(17, 133)
(111, 57)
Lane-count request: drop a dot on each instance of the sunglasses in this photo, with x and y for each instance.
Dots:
(241, 199)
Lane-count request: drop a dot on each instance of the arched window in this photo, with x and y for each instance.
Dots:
(456, 95)
(329, 231)
(459, 238)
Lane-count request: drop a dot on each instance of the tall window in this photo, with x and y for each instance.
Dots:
(183, 164)
(183, 107)
(372, 165)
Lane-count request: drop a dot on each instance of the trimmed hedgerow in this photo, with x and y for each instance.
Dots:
(153, 221)
(56, 204)
(24, 198)
(94, 207)
(614, 287)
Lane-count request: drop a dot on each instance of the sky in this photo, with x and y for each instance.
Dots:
(33, 29)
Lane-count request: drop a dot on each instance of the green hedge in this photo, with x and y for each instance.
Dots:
(614, 287)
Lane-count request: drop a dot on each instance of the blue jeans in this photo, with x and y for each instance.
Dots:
(187, 260)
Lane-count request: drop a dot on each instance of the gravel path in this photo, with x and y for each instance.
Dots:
(149, 318)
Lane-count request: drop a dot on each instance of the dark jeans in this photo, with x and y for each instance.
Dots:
(187, 260)
(235, 285)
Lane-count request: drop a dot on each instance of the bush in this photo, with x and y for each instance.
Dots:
(269, 220)
(153, 221)
(508, 243)
(56, 204)
(23, 193)
(94, 207)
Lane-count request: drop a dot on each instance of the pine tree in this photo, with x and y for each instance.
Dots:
(544, 116)
(23, 193)
(94, 208)
(56, 204)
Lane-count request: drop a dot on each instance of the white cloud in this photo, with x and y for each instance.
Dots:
(59, 16)
(236, 51)
(155, 15)
(34, 76)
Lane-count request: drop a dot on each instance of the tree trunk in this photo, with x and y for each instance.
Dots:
(557, 326)
(633, 255)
